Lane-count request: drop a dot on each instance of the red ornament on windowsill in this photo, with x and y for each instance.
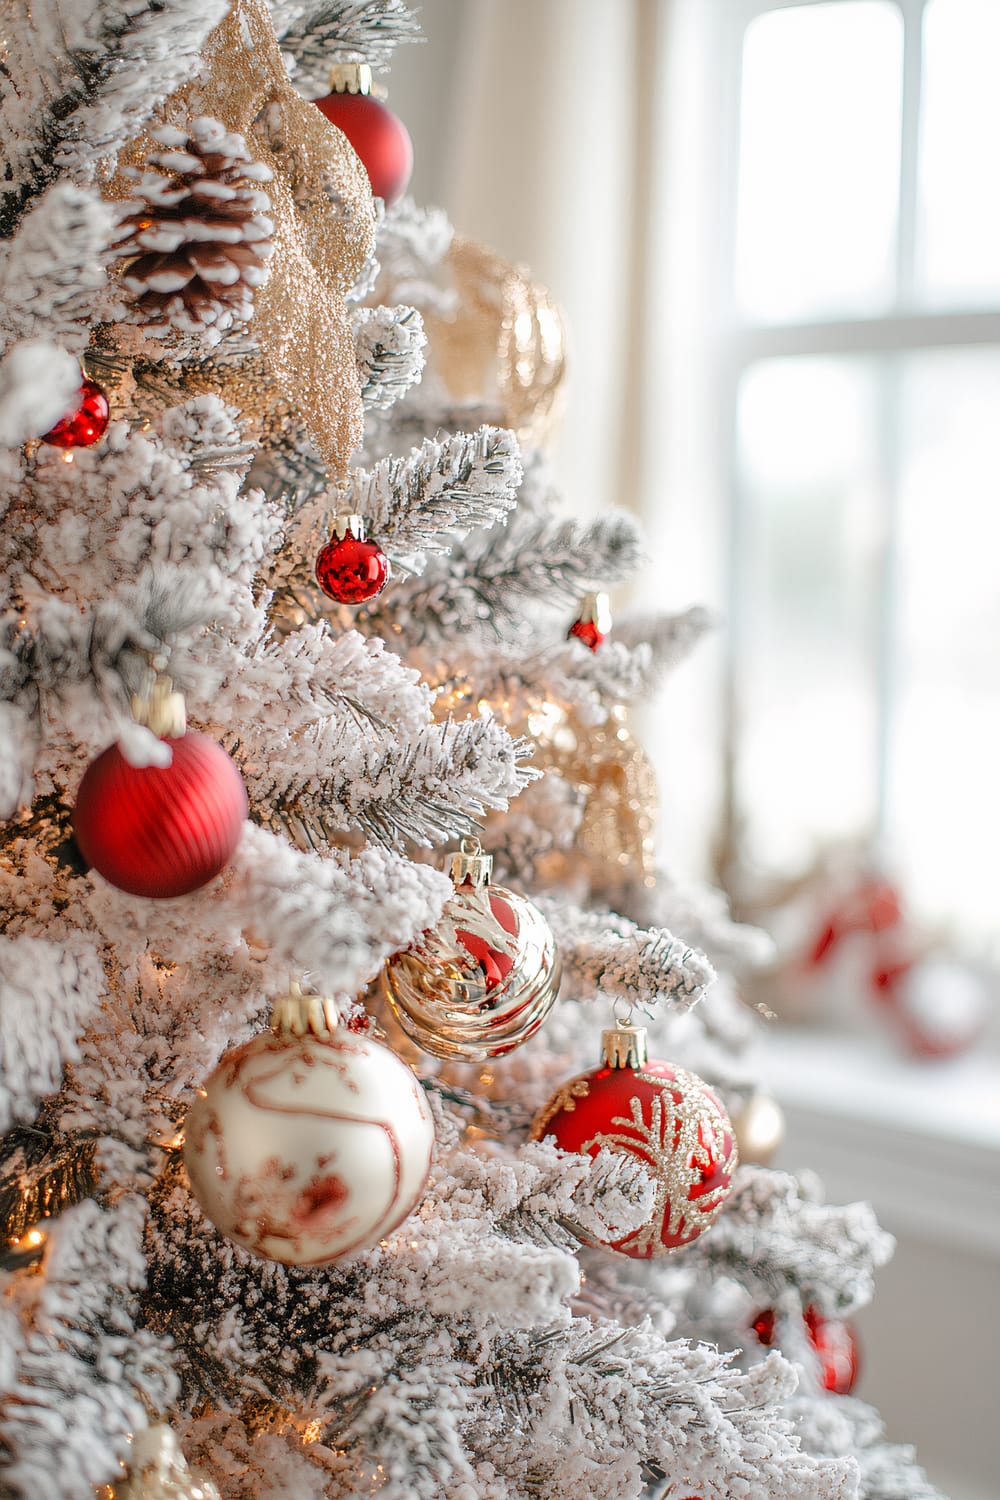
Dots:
(833, 1340)
(592, 624)
(86, 424)
(664, 1116)
(379, 137)
(350, 569)
(161, 831)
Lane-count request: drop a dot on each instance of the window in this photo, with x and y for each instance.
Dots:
(863, 392)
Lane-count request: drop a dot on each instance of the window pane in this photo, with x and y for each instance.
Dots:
(958, 243)
(819, 160)
(944, 808)
(811, 536)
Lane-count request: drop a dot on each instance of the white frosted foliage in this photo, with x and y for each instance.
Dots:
(447, 1339)
(48, 991)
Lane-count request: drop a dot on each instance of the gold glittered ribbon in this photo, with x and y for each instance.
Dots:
(324, 229)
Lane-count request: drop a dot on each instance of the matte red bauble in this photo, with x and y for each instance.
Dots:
(161, 830)
(85, 424)
(667, 1118)
(350, 568)
(379, 137)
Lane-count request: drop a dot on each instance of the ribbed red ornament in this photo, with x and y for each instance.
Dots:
(85, 424)
(351, 569)
(379, 137)
(161, 830)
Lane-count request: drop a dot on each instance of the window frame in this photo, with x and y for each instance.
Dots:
(905, 327)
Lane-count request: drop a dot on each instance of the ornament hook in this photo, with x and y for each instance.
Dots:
(298, 1014)
(472, 866)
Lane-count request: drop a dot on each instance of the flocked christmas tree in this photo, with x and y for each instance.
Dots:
(315, 1181)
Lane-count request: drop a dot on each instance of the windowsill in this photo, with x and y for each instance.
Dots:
(920, 1140)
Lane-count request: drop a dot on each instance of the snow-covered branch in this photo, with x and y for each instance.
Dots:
(442, 489)
(776, 1236)
(390, 343)
(603, 954)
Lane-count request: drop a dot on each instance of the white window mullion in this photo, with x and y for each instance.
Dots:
(913, 50)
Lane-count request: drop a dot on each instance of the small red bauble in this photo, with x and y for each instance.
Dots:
(592, 624)
(86, 424)
(350, 568)
(836, 1349)
(667, 1118)
(161, 830)
(833, 1340)
(378, 136)
(587, 632)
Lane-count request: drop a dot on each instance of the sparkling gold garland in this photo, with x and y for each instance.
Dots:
(324, 229)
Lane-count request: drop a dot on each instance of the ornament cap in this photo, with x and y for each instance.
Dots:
(297, 1014)
(471, 865)
(595, 609)
(624, 1046)
(350, 78)
(160, 709)
(344, 523)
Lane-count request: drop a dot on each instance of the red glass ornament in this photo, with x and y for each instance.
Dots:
(593, 621)
(351, 569)
(665, 1116)
(161, 830)
(84, 426)
(378, 136)
(763, 1327)
(587, 632)
(834, 1341)
(836, 1347)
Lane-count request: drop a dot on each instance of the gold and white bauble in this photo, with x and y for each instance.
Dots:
(481, 981)
(310, 1141)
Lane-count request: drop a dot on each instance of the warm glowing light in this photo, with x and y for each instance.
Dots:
(312, 1432)
(66, 457)
(30, 1240)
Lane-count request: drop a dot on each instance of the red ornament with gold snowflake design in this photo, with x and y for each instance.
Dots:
(667, 1118)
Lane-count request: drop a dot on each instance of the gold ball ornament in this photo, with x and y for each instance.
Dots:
(309, 1142)
(158, 1470)
(759, 1128)
(503, 345)
(481, 981)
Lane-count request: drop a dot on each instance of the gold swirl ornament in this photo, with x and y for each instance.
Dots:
(484, 979)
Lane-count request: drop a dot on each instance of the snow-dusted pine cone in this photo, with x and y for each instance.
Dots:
(199, 235)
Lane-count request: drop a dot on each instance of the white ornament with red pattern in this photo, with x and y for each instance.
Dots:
(666, 1118)
(310, 1141)
(483, 980)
